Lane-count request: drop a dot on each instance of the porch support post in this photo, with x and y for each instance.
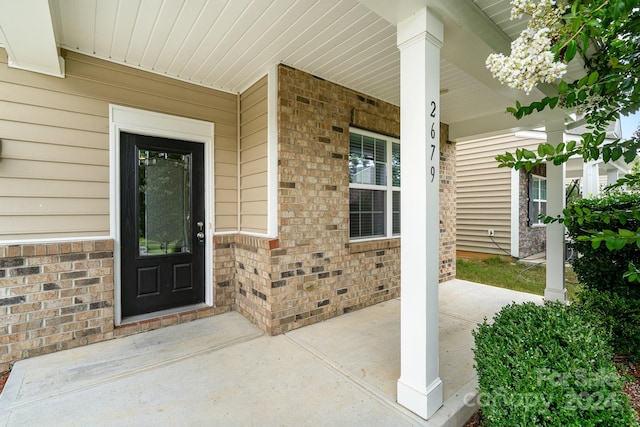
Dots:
(590, 179)
(419, 40)
(555, 290)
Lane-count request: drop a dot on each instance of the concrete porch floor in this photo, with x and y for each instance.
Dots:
(224, 371)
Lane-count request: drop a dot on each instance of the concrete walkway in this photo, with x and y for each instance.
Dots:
(223, 371)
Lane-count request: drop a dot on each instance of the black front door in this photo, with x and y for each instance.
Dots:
(162, 223)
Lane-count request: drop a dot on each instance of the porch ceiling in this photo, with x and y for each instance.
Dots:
(230, 44)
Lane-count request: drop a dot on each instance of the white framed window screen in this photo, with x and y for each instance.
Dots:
(537, 199)
(374, 185)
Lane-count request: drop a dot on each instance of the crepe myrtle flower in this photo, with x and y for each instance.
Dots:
(531, 60)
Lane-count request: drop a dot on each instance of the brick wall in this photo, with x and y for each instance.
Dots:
(312, 272)
(54, 296)
(532, 240)
(447, 206)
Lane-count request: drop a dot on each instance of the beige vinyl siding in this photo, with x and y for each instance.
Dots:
(253, 158)
(54, 152)
(484, 193)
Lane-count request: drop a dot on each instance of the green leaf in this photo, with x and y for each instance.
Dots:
(574, 7)
(570, 52)
(615, 243)
(571, 145)
(630, 155)
(606, 154)
(563, 87)
(553, 102)
(528, 154)
(593, 78)
(582, 95)
(626, 233)
(560, 148)
(582, 82)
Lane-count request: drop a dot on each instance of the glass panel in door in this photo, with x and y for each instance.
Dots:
(164, 217)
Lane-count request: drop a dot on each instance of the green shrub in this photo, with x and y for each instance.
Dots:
(602, 266)
(617, 314)
(546, 366)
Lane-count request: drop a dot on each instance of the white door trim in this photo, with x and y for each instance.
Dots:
(144, 122)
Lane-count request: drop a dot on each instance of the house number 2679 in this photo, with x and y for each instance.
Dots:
(433, 139)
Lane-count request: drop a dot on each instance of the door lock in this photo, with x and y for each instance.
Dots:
(200, 235)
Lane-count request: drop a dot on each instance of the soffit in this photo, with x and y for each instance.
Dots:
(230, 44)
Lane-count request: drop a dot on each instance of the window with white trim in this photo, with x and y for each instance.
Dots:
(537, 199)
(374, 185)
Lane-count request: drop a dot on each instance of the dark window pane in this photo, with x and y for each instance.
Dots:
(378, 224)
(378, 201)
(366, 200)
(396, 212)
(367, 213)
(354, 225)
(366, 225)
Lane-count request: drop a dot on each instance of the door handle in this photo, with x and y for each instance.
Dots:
(200, 235)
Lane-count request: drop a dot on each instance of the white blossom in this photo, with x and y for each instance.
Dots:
(531, 60)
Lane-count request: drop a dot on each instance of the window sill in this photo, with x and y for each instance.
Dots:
(359, 246)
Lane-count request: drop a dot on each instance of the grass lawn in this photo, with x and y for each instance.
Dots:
(509, 274)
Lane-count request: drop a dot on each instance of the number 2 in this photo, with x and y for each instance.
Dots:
(433, 109)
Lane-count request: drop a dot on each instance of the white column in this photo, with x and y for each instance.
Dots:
(590, 179)
(419, 39)
(555, 291)
(612, 176)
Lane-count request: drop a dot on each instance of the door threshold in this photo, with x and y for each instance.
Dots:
(161, 313)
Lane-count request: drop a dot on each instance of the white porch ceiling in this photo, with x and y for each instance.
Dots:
(230, 44)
